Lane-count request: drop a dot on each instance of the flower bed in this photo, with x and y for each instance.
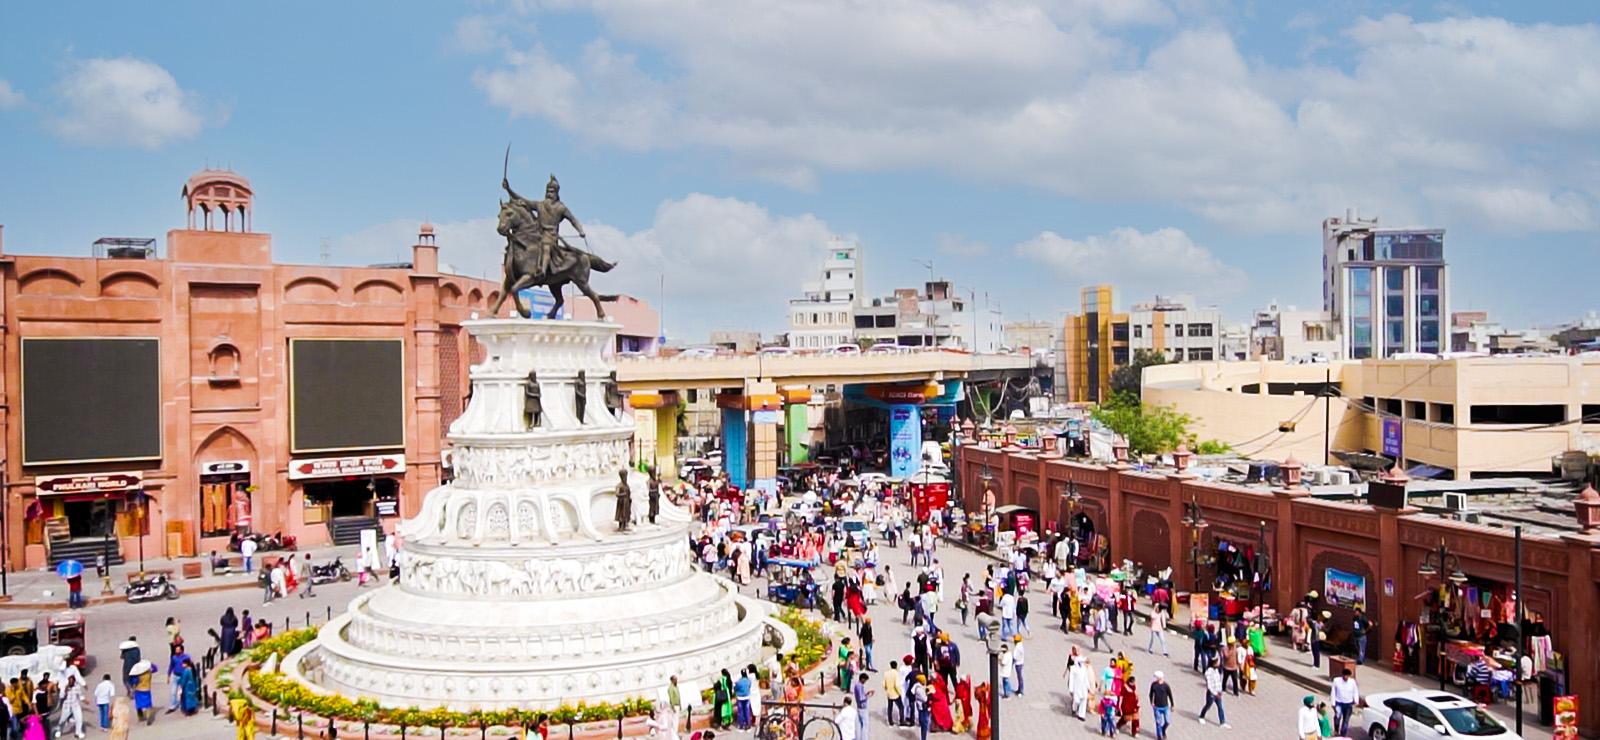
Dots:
(286, 693)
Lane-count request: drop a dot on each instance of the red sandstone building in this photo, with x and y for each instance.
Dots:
(186, 396)
(1142, 517)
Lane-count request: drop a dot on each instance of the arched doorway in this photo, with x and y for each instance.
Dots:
(223, 467)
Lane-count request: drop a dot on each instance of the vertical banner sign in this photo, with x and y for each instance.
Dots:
(1345, 589)
(735, 447)
(905, 440)
(1391, 437)
(796, 430)
(1566, 710)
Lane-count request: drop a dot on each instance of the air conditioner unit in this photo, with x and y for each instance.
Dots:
(1321, 476)
(1455, 501)
(1473, 518)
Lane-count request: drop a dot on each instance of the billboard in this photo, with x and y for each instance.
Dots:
(1345, 589)
(346, 394)
(90, 399)
(905, 440)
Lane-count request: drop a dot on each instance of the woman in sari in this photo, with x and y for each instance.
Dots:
(963, 704)
(722, 701)
(189, 686)
(983, 731)
(792, 695)
(939, 707)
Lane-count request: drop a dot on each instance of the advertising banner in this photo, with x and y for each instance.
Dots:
(344, 467)
(1392, 441)
(1345, 589)
(735, 440)
(1566, 709)
(929, 498)
(905, 440)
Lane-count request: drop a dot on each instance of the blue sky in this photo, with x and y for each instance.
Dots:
(1027, 147)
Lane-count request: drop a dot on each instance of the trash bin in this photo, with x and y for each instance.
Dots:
(1338, 664)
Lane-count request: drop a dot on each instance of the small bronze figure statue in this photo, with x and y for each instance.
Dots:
(613, 395)
(532, 406)
(624, 502)
(580, 395)
(655, 494)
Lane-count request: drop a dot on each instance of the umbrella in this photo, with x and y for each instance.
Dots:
(140, 668)
(69, 568)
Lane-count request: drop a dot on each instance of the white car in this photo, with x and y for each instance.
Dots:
(879, 478)
(1431, 714)
(844, 349)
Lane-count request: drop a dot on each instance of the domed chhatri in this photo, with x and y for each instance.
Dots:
(518, 587)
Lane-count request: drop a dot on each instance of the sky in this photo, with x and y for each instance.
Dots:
(715, 147)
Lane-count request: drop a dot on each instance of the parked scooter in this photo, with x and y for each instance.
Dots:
(151, 588)
(330, 572)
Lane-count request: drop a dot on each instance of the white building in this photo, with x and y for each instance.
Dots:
(1174, 327)
(1384, 286)
(1289, 333)
(824, 317)
(938, 316)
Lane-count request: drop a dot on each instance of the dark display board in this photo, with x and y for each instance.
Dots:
(90, 400)
(346, 394)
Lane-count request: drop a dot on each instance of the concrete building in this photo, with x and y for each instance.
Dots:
(1176, 328)
(1470, 331)
(1461, 418)
(641, 323)
(1033, 337)
(822, 318)
(1094, 342)
(935, 317)
(1235, 342)
(736, 341)
(1288, 333)
(1385, 287)
(167, 401)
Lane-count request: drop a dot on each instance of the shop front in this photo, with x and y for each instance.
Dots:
(85, 515)
(352, 487)
(225, 498)
(1464, 618)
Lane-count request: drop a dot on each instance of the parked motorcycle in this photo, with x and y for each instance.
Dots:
(151, 588)
(330, 572)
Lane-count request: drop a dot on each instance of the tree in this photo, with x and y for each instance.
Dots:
(1127, 379)
(1149, 428)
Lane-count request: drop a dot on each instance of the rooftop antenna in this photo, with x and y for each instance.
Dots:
(327, 251)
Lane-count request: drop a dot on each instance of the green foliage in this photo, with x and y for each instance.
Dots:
(1127, 379)
(282, 644)
(1212, 447)
(1149, 429)
(813, 645)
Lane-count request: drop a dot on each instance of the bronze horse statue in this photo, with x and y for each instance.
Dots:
(525, 242)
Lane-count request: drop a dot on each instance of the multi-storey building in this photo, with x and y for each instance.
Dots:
(823, 317)
(1094, 342)
(935, 317)
(1174, 328)
(1384, 286)
(1288, 333)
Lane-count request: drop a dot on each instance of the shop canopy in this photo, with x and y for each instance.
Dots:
(1012, 509)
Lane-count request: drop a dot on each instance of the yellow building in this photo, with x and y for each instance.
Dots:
(1095, 342)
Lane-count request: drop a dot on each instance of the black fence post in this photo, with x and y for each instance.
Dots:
(333, 730)
(330, 612)
(366, 730)
(300, 725)
(308, 619)
(274, 721)
(619, 727)
(402, 732)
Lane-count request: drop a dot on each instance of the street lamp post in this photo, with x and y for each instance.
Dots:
(1521, 638)
(1259, 583)
(992, 643)
(1195, 521)
(1447, 567)
(1070, 494)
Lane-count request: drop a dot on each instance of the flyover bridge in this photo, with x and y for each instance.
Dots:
(755, 391)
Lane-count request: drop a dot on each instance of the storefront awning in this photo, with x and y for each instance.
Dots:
(1425, 471)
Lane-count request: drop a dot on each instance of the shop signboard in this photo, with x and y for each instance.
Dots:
(905, 440)
(1199, 608)
(225, 467)
(387, 507)
(340, 467)
(1022, 521)
(1345, 589)
(1392, 441)
(89, 483)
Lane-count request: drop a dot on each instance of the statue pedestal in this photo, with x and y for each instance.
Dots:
(517, 589)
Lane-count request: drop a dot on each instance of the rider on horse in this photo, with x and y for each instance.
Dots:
(548, 214)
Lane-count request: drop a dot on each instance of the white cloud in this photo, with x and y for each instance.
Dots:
(480, 34)
(721, 256)
(10, 97)
(1139, 263)
(1059, 96)
(125, 101)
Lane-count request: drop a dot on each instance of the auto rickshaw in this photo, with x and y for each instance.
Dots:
(19, 637)
(67, 628)
(789, 582)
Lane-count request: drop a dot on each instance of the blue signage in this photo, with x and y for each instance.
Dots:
(735, 441)
(1392, 439)
(905, 440)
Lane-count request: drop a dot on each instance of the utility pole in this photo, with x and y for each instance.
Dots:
(1327, 403)
(933, 333)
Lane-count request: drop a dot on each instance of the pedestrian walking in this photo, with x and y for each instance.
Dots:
(1128, 706)
(1305, 723)
(1345, 694)
(1017, 658)
(104, 692)
(247, 551)
(1008, 667)
(1101, 626)
(1360, 625)
(893, 684)
(71, 708)
(1158, 630)
(1161, 704)
(859, 695)
(303, 572)
(1077, 675)
(1214, 695)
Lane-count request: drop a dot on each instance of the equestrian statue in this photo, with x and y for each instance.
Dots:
(537, 255)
